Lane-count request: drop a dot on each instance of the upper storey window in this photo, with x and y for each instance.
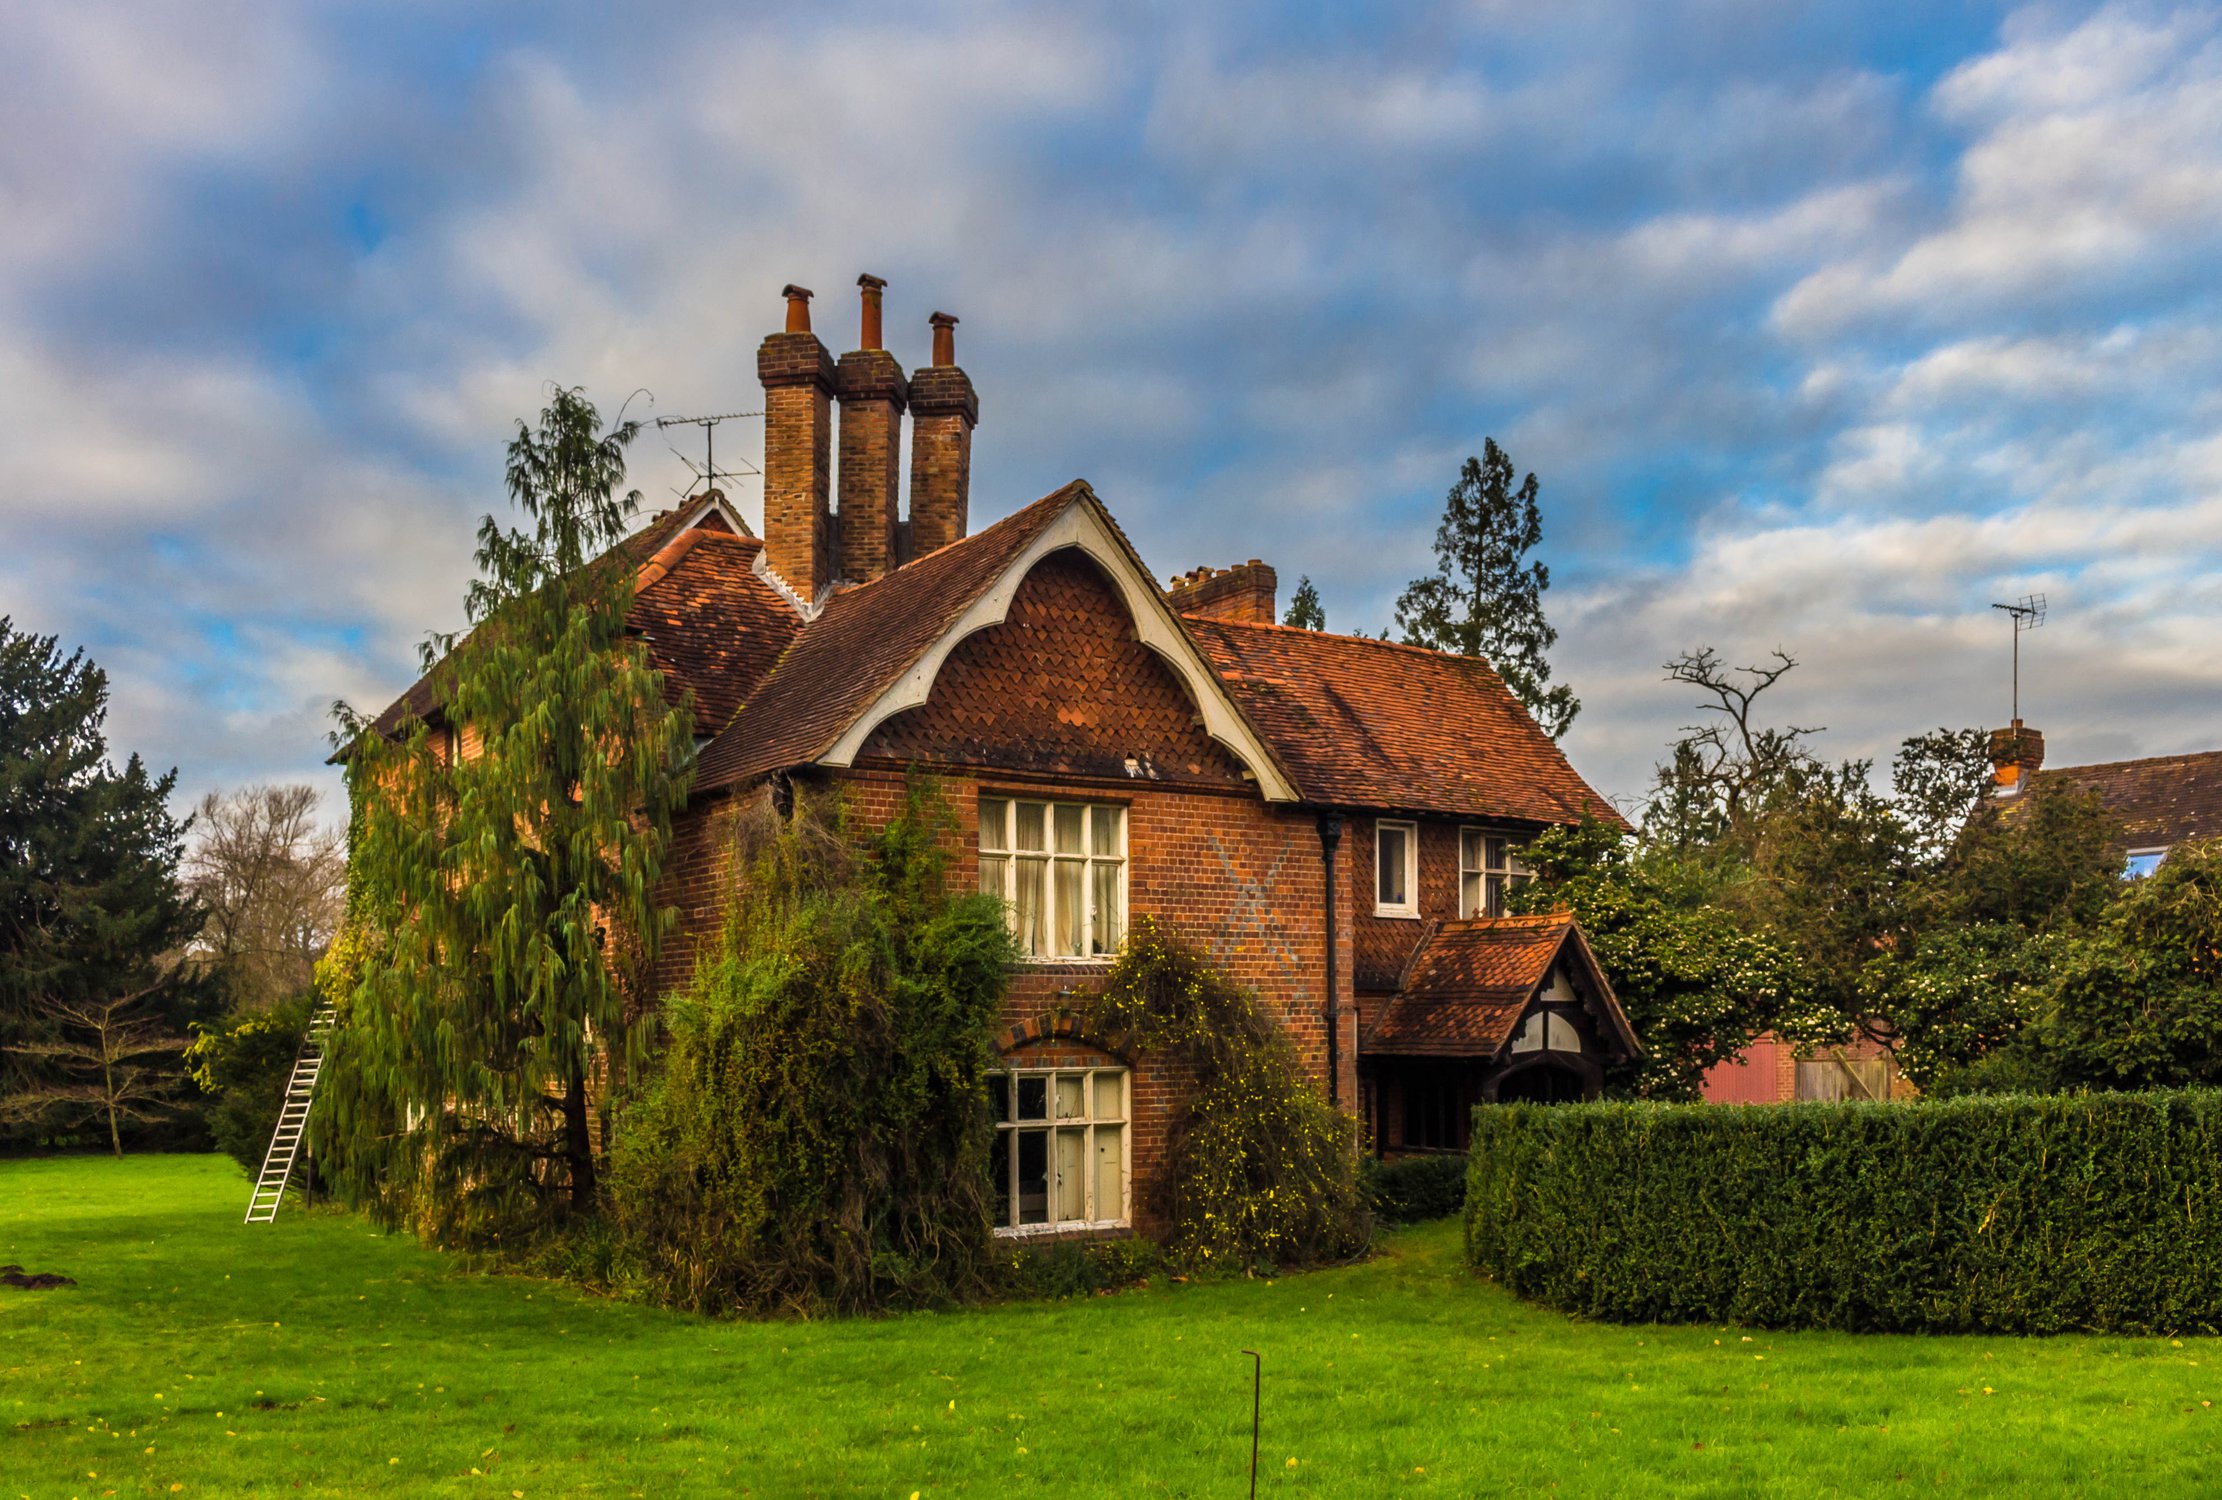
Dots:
(1396, 869)
(1060, 868)
(1488, 866)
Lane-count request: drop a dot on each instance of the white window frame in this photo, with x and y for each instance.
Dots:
(1089, 1121)
(1410, 907)
(1088, 859)
(1490, 883)
(2129, 862)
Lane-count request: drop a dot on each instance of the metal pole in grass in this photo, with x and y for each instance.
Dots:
(1257, 1386)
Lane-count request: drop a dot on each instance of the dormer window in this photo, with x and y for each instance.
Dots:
(2142, 862)
(1396, 869)
(1488, 866)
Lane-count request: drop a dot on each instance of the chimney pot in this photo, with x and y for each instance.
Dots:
(872, 337)
(798, 307)
(945, 339)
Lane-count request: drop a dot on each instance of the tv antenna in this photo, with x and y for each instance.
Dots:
(707, 473)
(2026, 615)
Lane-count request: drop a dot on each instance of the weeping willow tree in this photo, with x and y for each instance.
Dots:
(505, 856)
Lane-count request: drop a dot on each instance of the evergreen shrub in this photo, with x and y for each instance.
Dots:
(2013, 1214)
(816, 1140)
(1261, 1170)
(242, 1064)
(1413, 1189)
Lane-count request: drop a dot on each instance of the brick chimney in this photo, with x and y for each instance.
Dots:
(943, 412)
(2016, 754)
(799, 378)
(1243, 593)
(873, 393)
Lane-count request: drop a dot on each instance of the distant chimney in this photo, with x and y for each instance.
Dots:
(799, 378)
(1243, 593)
(943, 412)
(873, 393)
(2016, 754)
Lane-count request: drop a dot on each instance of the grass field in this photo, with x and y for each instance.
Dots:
(314, 1356)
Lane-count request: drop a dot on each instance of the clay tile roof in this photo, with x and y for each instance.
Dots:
(1363, 723)
(865, 638)
(2161, 801)
(1470, 981)
(712, 625)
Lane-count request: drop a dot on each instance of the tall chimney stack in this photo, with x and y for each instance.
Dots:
(873, 394)
(799, 378)
(943, 412)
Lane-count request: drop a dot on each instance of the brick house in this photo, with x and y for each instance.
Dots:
(1336, 819)
(2161, 800)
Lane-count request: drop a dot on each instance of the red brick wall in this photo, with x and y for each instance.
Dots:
(1385, 944)
(1239, 876)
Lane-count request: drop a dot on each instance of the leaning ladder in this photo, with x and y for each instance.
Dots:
(293, 1121)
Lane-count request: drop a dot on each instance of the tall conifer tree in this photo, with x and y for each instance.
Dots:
(91, 909)
(506, 856)
(1486, 598)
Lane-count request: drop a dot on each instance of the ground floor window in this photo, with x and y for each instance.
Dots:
(1060, 1156)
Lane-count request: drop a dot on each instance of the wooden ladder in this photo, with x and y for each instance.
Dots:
(293, 1122)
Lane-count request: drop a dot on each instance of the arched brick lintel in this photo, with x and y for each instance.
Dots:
(1056, 1026)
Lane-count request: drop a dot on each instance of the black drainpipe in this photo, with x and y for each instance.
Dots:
(1330, 835)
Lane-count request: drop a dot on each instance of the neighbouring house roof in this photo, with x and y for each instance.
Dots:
(1363, 723)
(2161, 800)
(1471, 980)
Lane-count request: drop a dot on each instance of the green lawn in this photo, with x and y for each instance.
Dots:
(201, 1357)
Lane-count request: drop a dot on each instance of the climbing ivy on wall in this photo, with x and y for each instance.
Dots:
(1261, 1170)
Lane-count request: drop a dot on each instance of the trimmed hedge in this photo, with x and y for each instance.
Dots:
(1413, 1189)
(2098, 1212)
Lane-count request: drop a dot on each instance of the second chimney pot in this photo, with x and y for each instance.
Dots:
(872, 337)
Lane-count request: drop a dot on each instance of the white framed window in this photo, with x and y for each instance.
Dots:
(1060, 868)
(1060, 1159)
(1488, 866)
(2143, 862)
(1396, 869)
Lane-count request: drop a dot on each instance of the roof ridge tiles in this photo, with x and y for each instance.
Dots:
(2138, 760)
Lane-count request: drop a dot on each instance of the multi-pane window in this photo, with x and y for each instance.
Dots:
(1396, 874)
(1060, 868)
(1488, 866)
(1060, 1157)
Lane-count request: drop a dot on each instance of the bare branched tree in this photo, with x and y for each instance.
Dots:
(1722, 766)
(274, 882)
(98, 1062)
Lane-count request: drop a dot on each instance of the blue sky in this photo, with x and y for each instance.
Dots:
(1823, 328)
